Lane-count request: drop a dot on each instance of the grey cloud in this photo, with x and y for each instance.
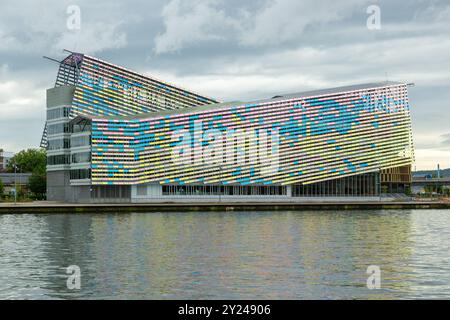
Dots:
(30, 27)
(192, 21)
(446, 140)
(189, 22)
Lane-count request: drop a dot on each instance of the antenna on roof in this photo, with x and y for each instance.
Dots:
(51, 59)
(387, 79)
(68, 51)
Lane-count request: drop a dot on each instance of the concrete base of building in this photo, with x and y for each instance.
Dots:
(59, 188)
(58, 185)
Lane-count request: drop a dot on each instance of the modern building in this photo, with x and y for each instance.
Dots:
(117, 136)
(423, 185)
(5, 156)
(11, 180)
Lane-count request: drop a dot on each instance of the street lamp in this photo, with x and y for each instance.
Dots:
(15, 184)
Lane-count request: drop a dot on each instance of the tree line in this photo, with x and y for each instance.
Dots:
(32, 161)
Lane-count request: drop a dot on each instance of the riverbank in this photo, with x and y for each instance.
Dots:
(55, 207)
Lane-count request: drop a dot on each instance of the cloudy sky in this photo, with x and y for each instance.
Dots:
(234, 50)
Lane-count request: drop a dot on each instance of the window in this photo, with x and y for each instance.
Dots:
(225, 190)
(58, 128)
(80, 174)
(81, 157)
(57, 144)
(358, 185)
(80, 141)
(116, 192)
(58, 159)
(62, 112)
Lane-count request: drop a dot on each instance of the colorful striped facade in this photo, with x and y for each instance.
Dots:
(108, 90)
(322, 136)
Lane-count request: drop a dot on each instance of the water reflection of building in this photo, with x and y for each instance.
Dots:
(289, 255)
(239, 255)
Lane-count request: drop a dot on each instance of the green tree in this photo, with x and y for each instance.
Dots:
(408, 191)
(37, 184)
(30, 160)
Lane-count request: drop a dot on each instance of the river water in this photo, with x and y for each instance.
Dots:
(228, 255)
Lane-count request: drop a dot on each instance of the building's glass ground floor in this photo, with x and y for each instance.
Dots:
(363, 186)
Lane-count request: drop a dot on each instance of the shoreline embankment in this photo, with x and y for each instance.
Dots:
(54, 207)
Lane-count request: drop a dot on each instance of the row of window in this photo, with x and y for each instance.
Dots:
(66, 143)
(360, 185)
(78, 174)
(224, 190)
(65, 128)
(81, 157)
(62, 112)
(58, 128)
(58, 159)
(57, 144)
(111, 192)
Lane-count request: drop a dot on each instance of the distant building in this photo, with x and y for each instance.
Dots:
(10, 179)
(427, 184)
(113, 135)
(5, 156)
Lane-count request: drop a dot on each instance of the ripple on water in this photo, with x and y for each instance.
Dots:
(238, 255)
